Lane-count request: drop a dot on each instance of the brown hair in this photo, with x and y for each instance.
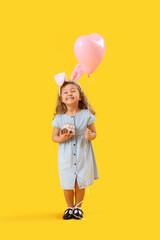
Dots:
(83, 104)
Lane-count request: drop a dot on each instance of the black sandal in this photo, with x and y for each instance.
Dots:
(68, 214)
(77, 213)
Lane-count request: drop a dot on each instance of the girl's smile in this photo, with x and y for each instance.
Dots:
(70, 98)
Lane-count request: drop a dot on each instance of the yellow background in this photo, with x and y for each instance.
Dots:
(37, 40)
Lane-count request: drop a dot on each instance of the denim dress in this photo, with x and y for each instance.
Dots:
(76, 159)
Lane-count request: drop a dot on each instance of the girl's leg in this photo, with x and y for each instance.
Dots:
(79, 194)
(69, 196)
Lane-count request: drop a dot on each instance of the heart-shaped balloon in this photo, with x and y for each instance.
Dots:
(89, 51)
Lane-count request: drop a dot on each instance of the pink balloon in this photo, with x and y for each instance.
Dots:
(89, 51)
(77, 72)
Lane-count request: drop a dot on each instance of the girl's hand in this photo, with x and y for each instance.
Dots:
(65, 136)
(88, 133)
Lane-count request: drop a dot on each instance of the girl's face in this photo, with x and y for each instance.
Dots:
(70, 95)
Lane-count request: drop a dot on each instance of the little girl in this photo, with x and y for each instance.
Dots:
(76, 160)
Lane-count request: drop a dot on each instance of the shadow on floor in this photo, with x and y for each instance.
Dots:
(25, 217)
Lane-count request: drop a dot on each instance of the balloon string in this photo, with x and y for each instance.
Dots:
(90, 80)
(87, 94)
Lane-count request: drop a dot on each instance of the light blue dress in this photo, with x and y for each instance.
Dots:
(76, 159)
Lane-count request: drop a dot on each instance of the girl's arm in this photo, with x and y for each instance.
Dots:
(55, 135)
(58, 137)
(90, 133)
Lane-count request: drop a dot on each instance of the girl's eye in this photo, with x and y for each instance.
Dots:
(71, 91)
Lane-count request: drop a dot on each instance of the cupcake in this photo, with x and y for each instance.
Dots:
(68, 127)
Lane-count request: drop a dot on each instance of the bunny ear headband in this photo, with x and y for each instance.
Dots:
(60, 78)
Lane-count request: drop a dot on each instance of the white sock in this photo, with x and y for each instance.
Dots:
(71, 207)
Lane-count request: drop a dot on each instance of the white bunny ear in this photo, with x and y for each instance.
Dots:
(60, 78)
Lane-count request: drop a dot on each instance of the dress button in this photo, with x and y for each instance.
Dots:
(74, 163)
(74, 144)
(74, 154)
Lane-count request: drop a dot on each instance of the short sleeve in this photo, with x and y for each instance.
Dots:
(91, 118)
(56, 122)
